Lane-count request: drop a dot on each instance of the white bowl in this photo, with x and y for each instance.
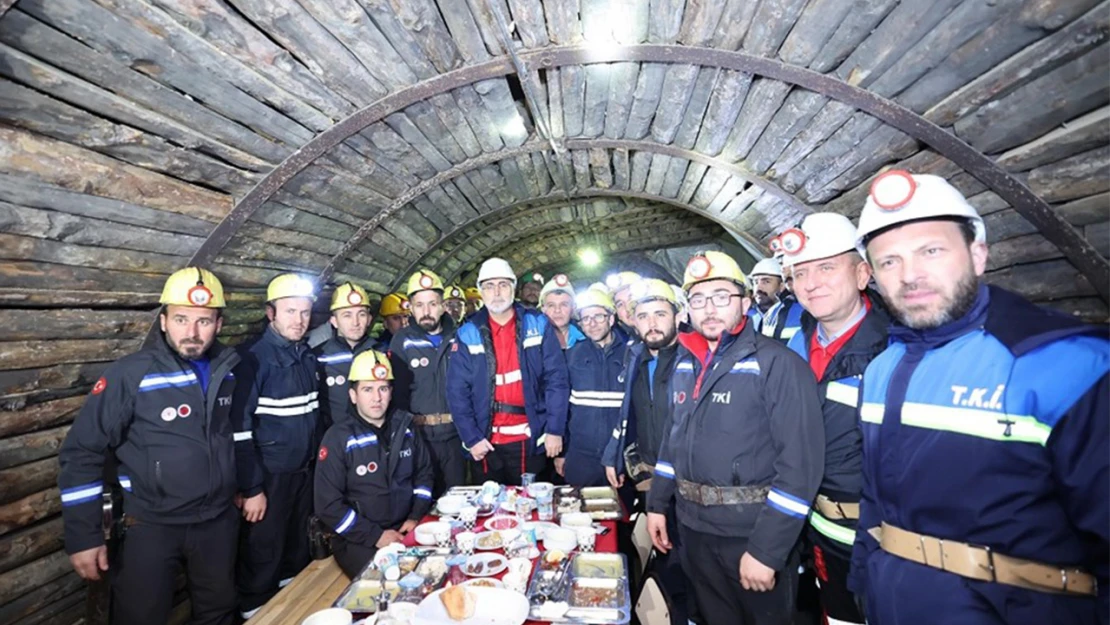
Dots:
(560, 539)
(331, 616)
(426, 532)
(540, 487)
(450, 504)
(576, 519)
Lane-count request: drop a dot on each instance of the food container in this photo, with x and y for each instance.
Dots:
(426, 532)
(450, 504)
(591, 589)
(601, 503)
(362, 596)
(560, 539)
(575, 520)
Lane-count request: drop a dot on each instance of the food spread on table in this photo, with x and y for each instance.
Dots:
(562, 584)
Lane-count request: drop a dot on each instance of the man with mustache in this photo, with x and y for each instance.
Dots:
(530, 290)
(557, 302)
(373, 473)
(454, 302)
(645, 415)
(282, 421)
(986, 432)
(164, 414)
(596, 367)
(394, 312)
(350, 321)
(419, 356)
(742, 459)
(776, 315)
(843, 329)
(507, 383)
(619, 285)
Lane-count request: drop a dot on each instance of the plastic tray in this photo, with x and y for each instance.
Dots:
(584, 578)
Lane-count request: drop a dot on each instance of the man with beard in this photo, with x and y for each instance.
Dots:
(619, 284)
(163, 413)
(530, 289)
(843, 329)
(419, 357)
(775, 316)
(557, 302)
(743, 458)
(350, 320)
(596, 368)
(394, 311)
(986, 432)
(282, 426)
(373, 475)
(454, 302)
(646, 415)
(510, 417)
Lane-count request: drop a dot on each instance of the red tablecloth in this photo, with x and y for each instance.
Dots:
(606, 543)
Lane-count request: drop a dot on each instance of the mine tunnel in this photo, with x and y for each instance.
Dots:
(361, 140)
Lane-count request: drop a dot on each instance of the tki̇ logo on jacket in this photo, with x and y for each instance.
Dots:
(968, 397)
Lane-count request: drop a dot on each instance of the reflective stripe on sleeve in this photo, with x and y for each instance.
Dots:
(346, 523)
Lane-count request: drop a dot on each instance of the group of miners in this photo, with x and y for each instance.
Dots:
(862, 404)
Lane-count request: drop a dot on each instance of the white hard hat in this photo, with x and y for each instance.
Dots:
(767, 267)
(821, 235)
(496, 268)
(898, 197)
(559, 284)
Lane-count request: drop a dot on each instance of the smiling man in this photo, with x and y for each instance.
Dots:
(350, 321)
(164, 414)
(557, 302)
(843, 329)
(511, 418)
(281, 425)
(986, 432)
(743, 457)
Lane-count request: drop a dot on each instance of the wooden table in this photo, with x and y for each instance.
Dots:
(314, 589)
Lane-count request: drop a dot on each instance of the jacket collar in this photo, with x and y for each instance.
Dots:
(699, 346)
(921, 340)
(1023, 326)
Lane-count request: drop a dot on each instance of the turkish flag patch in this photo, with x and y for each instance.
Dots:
(323, 455)
(100, 385)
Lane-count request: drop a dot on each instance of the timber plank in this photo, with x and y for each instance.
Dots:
(419, 30)
(622, 86)
(1074, 177)
(20, 481)
(39, 353)
(690, 182)
(1026, 112)
(699, 22)
(871, 147)
(1043, 281)
(40, 416)
(572, 89)
(1090, 309)
(50, 593)
(772, 22)
(621, 169)
(711, 185)
(687, 133)
(676, 173)
(827, 121)
(1020, 27)
(61, 233)
(1023, 249)
(600, 168)
(665, 21)
(30, 576)
(857, 25)
(738, 17)
(1086, 211)
(278, 215)
(503, 111)
(454, 119)
(396, 149)
(580, 160)
(39, 113)
(678, 85)
(563, 27)
(514, 179)
(764, 99)
(641, 162)
(481, 122)
(72, 323)
(1078, 135)
(32, 446)
(528, 17)
(487, 25)
(794, 116)
(890, 39)
(77, 169)
(463, 27)
(596, 100)
(125, 43)
(813, 29)
(426, 118)
(645, 100)
(408, 131)
(729, 94)
(1032, 62)
(1006, 224)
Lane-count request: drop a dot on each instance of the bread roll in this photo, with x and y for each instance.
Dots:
(459, 602)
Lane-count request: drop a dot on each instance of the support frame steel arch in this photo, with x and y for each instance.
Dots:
(1011, 189)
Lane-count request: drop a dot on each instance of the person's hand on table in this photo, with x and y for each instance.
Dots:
(408, 526)
(657, 528)
(389, 537)
(754, 575)
(480, 449)
(616, 481)
(554, 445)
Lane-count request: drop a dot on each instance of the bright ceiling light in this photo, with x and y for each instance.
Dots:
(589, 257)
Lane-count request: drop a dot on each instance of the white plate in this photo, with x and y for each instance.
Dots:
(511, 523)
(495, 563)
(425, 532)
(478, 542)
(494, 606)
(473, 582)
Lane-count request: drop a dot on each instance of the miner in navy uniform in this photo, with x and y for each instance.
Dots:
(373, 472)
(350, 321)
(163, 413)
(986, 432)
(419, 355)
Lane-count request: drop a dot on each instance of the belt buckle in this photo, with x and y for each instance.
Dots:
(714, 496)
(990, 563)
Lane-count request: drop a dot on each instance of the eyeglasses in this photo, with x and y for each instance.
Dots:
(595, 319)
(720, 300)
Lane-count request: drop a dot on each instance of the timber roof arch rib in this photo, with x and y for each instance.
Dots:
(360, 139)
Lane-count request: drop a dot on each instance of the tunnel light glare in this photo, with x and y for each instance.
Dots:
(589, 257)
(602, 49)
(515, 128)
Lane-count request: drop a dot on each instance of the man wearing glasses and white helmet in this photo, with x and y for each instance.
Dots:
(986, 432)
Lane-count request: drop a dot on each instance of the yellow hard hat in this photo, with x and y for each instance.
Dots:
(372, 366)
(193, 286)
(290, 285)
(473, 293)
(454, 292)
(594, 297)
(348, 295)
(424, 280)
(394, 304)
(712, 265)
(618, 282)
(651, 289)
